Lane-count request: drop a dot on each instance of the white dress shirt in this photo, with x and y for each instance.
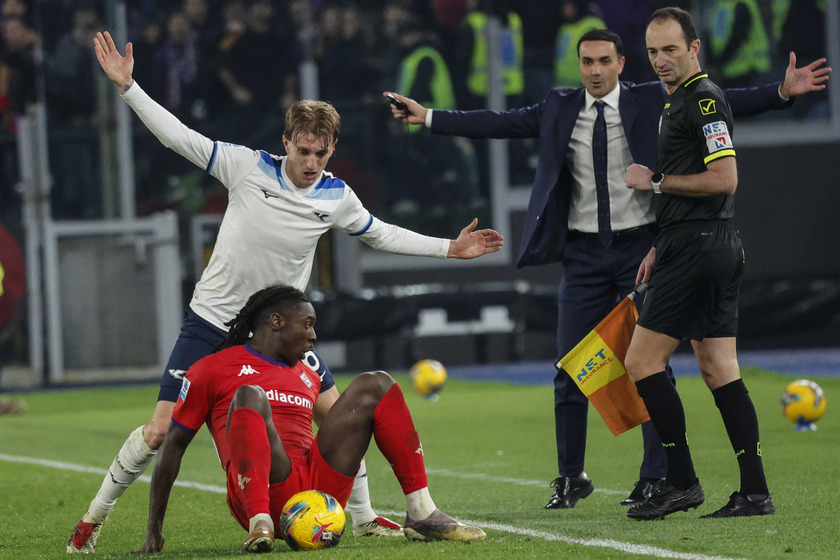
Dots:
(628, 208)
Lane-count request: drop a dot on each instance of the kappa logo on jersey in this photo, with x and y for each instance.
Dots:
(717, 137)
(322, 217)
(268, 194)
(305, 380)
(247, 370)
(243, 480)
(185, 388)
(707, 106)
(177, 373)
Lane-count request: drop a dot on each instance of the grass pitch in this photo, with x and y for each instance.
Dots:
(490, 454)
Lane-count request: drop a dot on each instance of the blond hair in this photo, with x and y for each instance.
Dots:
(309, 116)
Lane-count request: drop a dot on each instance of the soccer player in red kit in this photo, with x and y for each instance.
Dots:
(258, 399)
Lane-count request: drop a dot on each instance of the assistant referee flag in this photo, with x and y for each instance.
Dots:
(596, 364)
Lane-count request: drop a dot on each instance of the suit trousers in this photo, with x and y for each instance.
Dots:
(595, 278)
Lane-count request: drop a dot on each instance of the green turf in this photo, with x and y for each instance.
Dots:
(490, 452)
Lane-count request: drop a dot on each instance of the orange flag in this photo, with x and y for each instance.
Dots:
(597, 366)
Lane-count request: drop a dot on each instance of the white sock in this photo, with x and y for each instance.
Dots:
(359, 502)
(420, 504)
(132, 461)
(252, 523)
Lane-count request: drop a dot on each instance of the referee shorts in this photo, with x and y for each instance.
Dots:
(198, 339)
(693, 291)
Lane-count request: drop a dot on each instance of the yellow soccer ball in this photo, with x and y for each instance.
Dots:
(312, 519)
(803, 402)
(428, 377)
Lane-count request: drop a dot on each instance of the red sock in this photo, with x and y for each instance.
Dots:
(396, 437)
(250, 458)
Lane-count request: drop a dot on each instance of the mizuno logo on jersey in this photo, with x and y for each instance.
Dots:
(268, 194)
(243, 480)
(177, 373)
(322, 217)
(247, 370)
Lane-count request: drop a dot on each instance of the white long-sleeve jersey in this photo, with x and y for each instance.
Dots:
(271, 227)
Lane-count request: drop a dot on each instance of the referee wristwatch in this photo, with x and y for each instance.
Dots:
(656, 182)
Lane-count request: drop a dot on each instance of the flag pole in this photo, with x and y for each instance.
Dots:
(640, 288)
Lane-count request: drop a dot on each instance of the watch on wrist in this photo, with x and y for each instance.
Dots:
(656, 182)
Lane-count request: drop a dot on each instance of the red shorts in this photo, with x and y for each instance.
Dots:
(309, 472)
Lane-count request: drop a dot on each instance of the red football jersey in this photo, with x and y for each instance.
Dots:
(211, 382)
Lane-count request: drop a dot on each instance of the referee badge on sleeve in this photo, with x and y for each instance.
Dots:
(717, 136)
(707, 106)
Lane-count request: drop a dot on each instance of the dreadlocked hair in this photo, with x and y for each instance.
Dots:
(260, 306)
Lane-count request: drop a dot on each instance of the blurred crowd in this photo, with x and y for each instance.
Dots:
(230, 68)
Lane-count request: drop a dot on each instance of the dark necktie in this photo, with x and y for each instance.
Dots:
(602, 188)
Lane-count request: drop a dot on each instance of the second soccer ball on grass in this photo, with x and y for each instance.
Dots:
(803, 403)
(428, 377)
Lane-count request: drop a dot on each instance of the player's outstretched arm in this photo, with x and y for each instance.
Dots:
(167, 465)
(166, 127)
(117, 67)
(416, 112)
(812, 77)
(471, 244)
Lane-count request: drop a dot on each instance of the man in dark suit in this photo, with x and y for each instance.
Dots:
(600, 234)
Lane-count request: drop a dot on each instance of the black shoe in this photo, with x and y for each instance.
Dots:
(740, 505)
(665, 499)
(641, 492)
(568, 490)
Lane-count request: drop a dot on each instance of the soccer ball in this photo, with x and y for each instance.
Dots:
(803, 402)
(312, 519)
(428, 377)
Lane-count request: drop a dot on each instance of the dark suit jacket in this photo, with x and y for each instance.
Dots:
(552, 121)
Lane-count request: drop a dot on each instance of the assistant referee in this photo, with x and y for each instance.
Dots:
(694, 271)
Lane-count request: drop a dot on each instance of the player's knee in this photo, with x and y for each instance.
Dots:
(709, 365)
(376, 383)
(251, 396)
(154, 434)
(633, 365)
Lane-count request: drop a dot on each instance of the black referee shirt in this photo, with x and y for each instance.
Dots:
(695, 128)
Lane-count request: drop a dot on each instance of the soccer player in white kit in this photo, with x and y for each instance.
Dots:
(278, 208)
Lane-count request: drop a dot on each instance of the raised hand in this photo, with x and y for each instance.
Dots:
(812, 77)
(471, 244)
(117, 67)
(416, 112)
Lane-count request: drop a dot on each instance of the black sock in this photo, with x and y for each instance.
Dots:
(666, 412)
(738, 413)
